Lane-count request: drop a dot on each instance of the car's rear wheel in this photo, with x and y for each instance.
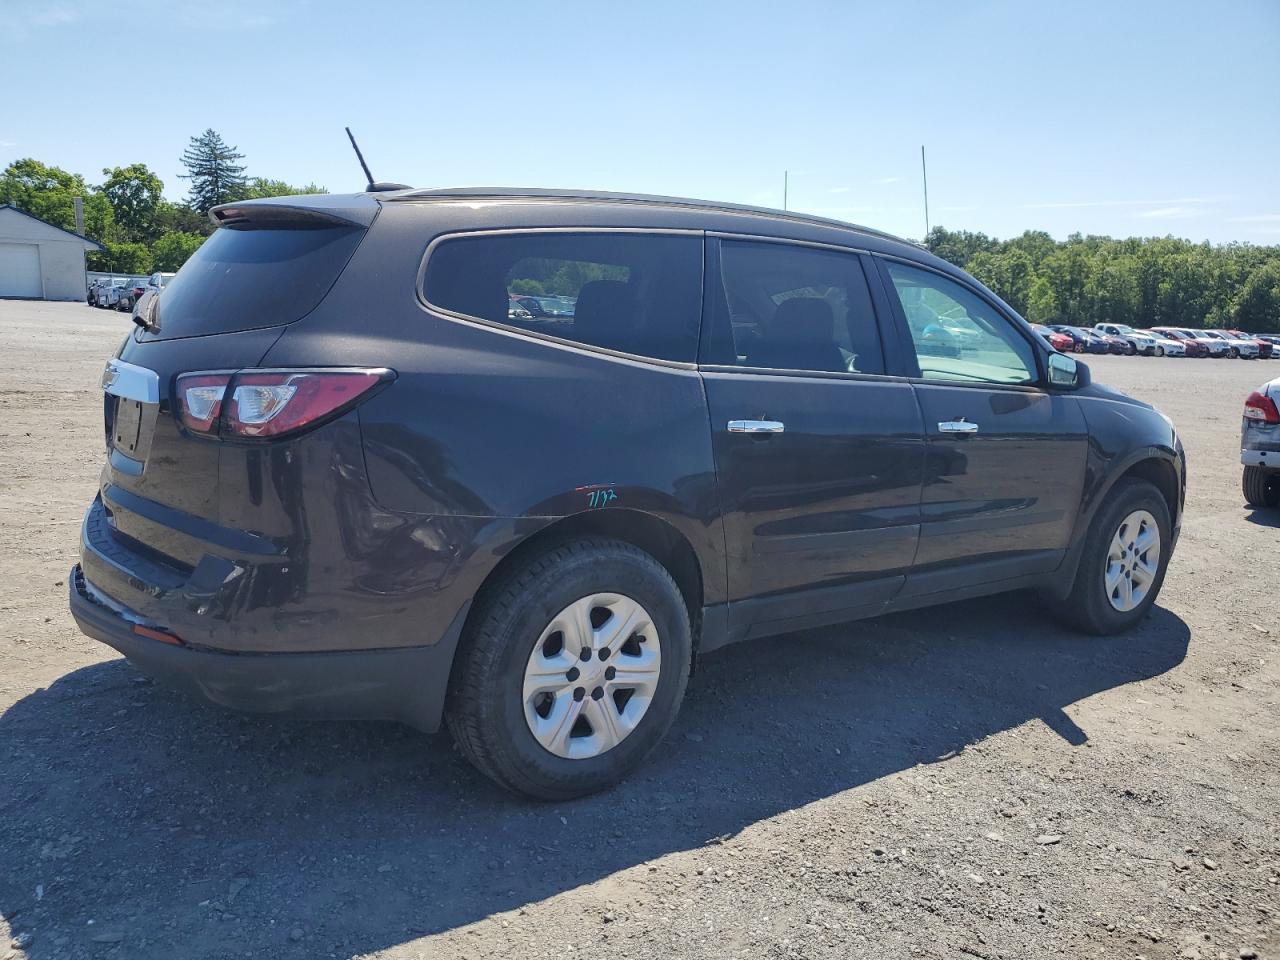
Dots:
(1261, 487)
(1122, 562)
(572, 669)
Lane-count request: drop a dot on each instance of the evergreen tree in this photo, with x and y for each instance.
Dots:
(212, 169)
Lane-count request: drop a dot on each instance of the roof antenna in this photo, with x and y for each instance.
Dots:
(373, 186)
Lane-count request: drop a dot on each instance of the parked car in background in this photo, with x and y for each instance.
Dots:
(1082, 340)
(109, 292)
(91, 295)
(1166, 346)
(158, 281)
(1270, 338)
(1241, 347)
(1138, 341)
(1117, 345)
(1265, 347)
(1260, 446)
(1194, 346)
(314, 497)
(1059, 341)
(128, 294)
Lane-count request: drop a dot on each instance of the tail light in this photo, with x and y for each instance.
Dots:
(261, 404)
(1261, 408)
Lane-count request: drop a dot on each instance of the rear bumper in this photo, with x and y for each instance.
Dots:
(1261, 458)
(406, 684)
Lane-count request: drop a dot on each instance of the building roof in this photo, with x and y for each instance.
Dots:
(16, 209)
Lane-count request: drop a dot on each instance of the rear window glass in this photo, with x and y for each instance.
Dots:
(243, 279)
(637, 293)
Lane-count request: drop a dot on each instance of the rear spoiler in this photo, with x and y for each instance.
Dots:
(313, 211)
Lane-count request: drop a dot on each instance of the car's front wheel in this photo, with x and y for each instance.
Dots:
(1261, 487)
(1159, 351)
(572, 669)
(1122, 561)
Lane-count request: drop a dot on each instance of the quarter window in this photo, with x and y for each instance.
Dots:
(957, 335)
(791, 307)
(637, 293)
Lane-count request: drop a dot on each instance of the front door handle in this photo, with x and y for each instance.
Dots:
(957, 426)
(755, 426)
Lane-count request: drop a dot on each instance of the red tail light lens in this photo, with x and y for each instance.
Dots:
(200, 400)
(261, 404)
(1261, 408)
(270, 404)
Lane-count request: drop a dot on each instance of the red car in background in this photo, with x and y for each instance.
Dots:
(1265, 347)
(1059, 341)
(1195, 348)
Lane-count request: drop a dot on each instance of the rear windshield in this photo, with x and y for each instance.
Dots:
(243, 279)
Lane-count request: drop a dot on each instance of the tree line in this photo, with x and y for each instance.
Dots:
(139, 230)
(1156, 281)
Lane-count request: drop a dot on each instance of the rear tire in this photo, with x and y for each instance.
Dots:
(1261, 487)
(1091, 605)
(489, 709)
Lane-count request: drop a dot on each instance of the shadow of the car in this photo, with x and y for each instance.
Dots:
(1264, 516)
(125, 799)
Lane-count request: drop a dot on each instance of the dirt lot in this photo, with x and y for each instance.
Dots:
(965, 782)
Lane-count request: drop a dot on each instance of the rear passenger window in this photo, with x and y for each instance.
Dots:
(637, 293)
(791, 307)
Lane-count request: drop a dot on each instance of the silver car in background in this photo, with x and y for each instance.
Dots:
(1236, 346)
(1260, 446)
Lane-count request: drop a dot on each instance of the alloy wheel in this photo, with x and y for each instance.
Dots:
(1133, 561)
(591, 676)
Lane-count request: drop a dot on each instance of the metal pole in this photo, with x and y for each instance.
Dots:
(785, 178)
(924, 174)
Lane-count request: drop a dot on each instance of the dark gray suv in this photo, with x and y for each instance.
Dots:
(345, 472)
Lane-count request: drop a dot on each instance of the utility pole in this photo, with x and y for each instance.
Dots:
(924, 174)
(786, 174)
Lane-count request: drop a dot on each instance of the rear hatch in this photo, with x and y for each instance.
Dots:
(269, 264)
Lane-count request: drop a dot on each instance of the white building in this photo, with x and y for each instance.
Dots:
(39, 261)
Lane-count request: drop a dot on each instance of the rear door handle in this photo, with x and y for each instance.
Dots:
(755, 426)
(957, 426)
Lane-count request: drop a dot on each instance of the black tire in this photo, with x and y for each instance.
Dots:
(1130, 350)
(1261, 487)
(1159, 351)
(1087, 607)
(1078, 347)
(483, 709)
(1234, 353)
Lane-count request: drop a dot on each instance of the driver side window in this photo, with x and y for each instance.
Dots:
(957, 335)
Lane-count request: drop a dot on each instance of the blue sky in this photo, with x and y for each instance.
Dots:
(1125, 118)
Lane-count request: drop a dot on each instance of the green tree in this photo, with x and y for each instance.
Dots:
(172, 250)
(212, 169)
(1258, 308)
(121, 258)
(49, 193)
(181, 218)
(1042, 305)
(134, 194)
(260, 187)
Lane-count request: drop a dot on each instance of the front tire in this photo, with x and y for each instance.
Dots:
(1122, 563)
(1078, 348)
(1261, 487)
(572, 669)
(1159, 351)
(1234, 353)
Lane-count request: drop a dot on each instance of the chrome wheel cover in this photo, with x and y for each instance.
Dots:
(591, 676)
(1133, 560)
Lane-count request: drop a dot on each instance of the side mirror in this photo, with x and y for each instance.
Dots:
(1067, 373)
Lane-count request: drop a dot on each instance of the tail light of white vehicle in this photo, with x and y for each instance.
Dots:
(1261, 408)
(263, 404)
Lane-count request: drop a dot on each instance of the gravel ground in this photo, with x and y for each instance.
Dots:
(971, 781)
